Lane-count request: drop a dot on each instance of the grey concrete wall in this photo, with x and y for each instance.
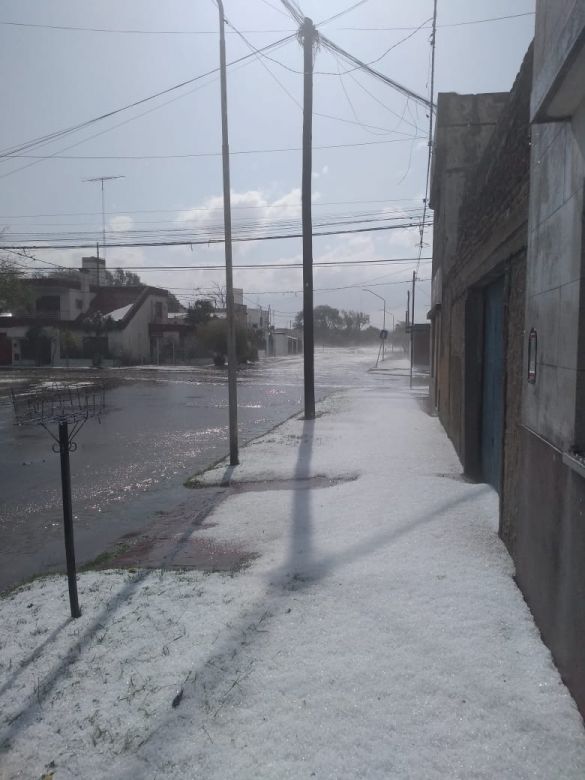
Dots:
(549, 544)
(560, 27)
(465, 124)
(554, 279)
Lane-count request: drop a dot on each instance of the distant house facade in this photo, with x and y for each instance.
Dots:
(258, 318)
(73, 318)
(283, 342)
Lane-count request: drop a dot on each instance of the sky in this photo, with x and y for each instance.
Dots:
(373, 167)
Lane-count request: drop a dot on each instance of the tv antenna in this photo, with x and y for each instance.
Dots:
(102, 179)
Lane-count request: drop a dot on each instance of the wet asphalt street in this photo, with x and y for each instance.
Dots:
(160, 427)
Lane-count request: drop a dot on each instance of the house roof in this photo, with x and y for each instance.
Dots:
(120, 303)
(66, 282)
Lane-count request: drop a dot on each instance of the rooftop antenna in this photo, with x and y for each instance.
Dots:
(102, 179)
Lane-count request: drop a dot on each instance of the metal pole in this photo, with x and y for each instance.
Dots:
(229, 282)
(308, 33)
(68, 518)
(412, 327)
(384, 329)
(365, 289)
(103, 229)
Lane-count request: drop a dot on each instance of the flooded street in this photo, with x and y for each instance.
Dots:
(161, 425)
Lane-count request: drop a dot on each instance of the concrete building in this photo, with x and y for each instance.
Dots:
(480, 196)
(258, 318)
(508, 314)
(61, 324)
(283, 342)
(549, 541)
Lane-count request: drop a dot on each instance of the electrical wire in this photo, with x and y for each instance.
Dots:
(121, 31)
(447, 24)
(198, 242)
(206, 154)
(207, 209)
(341, 13)
(75, 128)
(430, 141)
(219, 267)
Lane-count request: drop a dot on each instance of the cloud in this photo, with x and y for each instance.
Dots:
(120, 223)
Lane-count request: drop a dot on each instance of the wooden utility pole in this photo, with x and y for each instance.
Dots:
(412, 328)
(308, 35)
(229, 282)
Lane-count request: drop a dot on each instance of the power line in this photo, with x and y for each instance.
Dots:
(341, 13)
(74, 128)
(199, 242)
(447, 24)
(203, 154)
(216, 267)
(217, 208)
(327, 43)
(186, 241)
(126, 31)
(430, 150)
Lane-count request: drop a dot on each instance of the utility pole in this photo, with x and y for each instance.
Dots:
(229, 281)
(308, 37)
(102, 179)
(412, 327)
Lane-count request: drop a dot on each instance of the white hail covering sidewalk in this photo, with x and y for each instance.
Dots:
(378, 634)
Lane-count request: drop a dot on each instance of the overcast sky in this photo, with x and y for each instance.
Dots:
(57, 78)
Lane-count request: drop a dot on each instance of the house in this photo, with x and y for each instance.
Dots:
(72, 318)
(508, 316)
(240, 309)
(284, 341)
(258, 318)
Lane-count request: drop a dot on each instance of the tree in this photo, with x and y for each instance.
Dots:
(213, 336)
(122, 278)
(98, 325)
(337, 327)
(353, 321)
(174, 304)
(13, 291)
(326, 318)
(219, 296)
(200, 312)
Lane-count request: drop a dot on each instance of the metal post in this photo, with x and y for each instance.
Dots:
(308, 33)
(229, 282)
(68, 517)
(365, 289)
(412, 327)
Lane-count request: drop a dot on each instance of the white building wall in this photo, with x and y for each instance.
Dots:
(133, 341)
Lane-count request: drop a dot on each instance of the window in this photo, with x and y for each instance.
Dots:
(79, 303)
(158, 310)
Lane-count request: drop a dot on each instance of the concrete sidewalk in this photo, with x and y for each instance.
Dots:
(376, 632)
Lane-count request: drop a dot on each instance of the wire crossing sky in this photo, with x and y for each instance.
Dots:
(131, 90)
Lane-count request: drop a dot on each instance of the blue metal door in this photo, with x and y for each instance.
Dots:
(493, 384)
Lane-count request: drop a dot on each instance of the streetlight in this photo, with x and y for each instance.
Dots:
(365, 289)
(227, 219)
